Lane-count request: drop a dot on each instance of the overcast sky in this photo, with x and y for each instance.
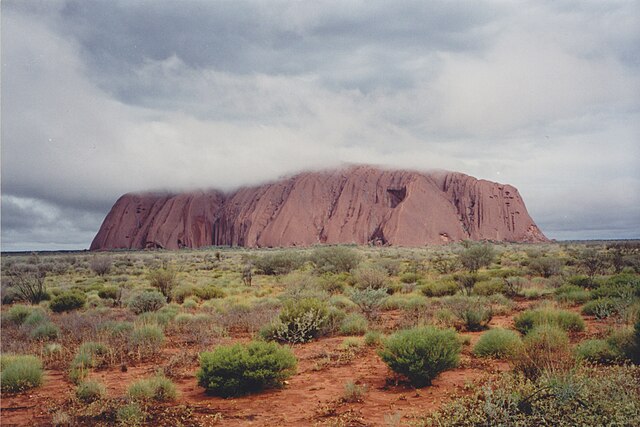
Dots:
(100, 98)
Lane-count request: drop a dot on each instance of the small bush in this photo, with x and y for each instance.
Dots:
(52, 349)
(90, 391)
(117, 329)
(421, 354)
(601, 308)
(374, 277)
(18, 313)
(335, 259)
(35, 318)
(440, 288)
(147, 338)
(410, 277)
(239, 369)
(332, 283)
(566, 320)
(477, 256)
(182, 292)
(354, 324)
(279, 263)
(369, 300)
(591, 396)
(209, 292)
(68, 301)
(497, 343)
(45, 331)
(158, 388)
(597, 351)
(146, 302)
(624, 342)
(300, 321)
(164, 280)
(571, 294)
(101, 265)
(489, 287)
(373, 338)
(110, 292)
(544, 348)
(130, 414)
(19, 373)
(353, 392)
(546, 266)
(474, 313)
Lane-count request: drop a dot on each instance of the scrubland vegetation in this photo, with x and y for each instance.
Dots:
(464, 334)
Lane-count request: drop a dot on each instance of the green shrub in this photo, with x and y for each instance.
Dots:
(410, 277)
(35, 318)
(183, 291)
(90, 391)
(18, 313)
(116, 328)
(52, 349)
(89, 355)
(369, 300)
(19, 373)
(68, 301)
(130, 414)
(239, 369)
(597, 351)
(45, 331)
(391, 265)
(624, 341)
(146, 302)
(513, 285)
(110, 292)
(566, 320)
(354, 324)
(335, 259)
(544, 348)
(373, 338)
(158, 388)
(497, 343)
(591, 396)
(354, 392)
(147, 338)
(299, 321)
(209, 292)
(579, 281)
(164, 280)
(476, 256)
(374, 277)
(440, 288)
(420, 354)
(546, 266)
(489, 287)
(279, 263)
(332, 283)
(100, 265)
(601, 308)
(571, 294)
(473, 312)
(335, 317)
(94, 348)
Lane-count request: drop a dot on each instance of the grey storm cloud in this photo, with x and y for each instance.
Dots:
(104, 97)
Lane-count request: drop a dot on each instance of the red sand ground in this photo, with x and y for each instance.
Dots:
(312, 396)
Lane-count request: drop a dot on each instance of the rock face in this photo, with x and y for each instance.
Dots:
(359, 204)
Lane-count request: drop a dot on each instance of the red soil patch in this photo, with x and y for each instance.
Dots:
(312, 396)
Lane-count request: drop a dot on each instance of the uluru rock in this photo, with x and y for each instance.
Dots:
(358, 204)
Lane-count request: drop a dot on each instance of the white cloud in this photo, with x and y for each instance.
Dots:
(547, 101)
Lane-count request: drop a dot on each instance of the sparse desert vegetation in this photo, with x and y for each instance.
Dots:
(463, 334)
